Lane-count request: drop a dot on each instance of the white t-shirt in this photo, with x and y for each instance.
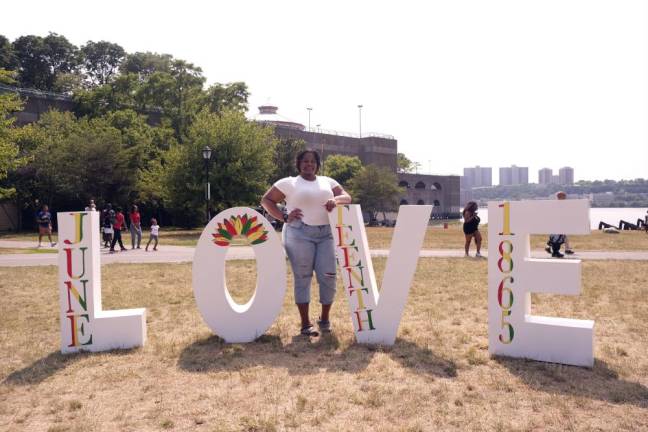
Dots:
(155, 229)
(308, 196)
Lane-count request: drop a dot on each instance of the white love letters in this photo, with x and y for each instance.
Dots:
(375, 315)
(513, 275)
(228, 319)
(84, 325)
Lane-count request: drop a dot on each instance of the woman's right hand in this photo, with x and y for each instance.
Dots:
(295, 214)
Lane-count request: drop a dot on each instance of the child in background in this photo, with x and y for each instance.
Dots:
(155, 229)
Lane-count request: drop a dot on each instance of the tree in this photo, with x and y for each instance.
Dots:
(101, 61)
(40, 60)
(232, 96)
(9, 151)
(285, 156)
(7, 56)
(376, 189)
(242, 155)
(342, 168)
(145, 64)
(405, 165)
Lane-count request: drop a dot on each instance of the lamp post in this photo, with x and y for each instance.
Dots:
(360, 119)
(322, 141)
(206, 153)
(309, 113)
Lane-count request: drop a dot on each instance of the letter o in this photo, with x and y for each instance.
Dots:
(232, 321)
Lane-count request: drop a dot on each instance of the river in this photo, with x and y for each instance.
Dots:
(610, 215)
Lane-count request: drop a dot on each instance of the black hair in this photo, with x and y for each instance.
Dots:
(471, 206)
(300, 158)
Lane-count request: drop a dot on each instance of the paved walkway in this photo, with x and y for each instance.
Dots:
(179, 254)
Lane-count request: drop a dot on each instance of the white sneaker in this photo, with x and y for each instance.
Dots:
(478, 255)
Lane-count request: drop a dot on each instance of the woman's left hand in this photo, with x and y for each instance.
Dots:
(330, 205)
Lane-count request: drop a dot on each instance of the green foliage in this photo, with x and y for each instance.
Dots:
(40, 60)
(241, 165)
(376, 189)
(342, 168)
(9, 151)
(285, 156)
(7, 56)
(144, 64)
(227, 97)
(405, 165)
(101, 61)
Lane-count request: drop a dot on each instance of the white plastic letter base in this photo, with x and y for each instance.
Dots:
(84, 325)
(232, 321)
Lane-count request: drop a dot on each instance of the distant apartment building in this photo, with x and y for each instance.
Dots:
(566, 176)
(513, 175)
(545, 176)
(477, 177)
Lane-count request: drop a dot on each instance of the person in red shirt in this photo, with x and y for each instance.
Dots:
(135, 227)
(118, 226)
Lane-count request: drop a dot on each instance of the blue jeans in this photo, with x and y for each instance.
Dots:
(311, 248)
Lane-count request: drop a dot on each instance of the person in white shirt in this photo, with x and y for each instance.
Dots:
(307, 234)
(155, 229)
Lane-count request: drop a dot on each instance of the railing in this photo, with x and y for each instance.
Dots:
(351, 134)
(33, 92)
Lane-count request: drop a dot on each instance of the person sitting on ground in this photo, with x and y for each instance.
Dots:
(155, 229)
(556, 240)
(44, 220)
(471, 227)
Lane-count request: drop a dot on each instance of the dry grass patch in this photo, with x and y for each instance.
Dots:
(438, 375)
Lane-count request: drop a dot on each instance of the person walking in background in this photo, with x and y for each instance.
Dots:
(471, 227)
(155, 230)
(118, 226)
(556, 240)
(44, 220)
(307, 234)
(107, 221)
(91, 206)
(135, 227)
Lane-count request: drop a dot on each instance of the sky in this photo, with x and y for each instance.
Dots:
(458, 83)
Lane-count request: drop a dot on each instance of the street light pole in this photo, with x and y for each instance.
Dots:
(360, 119)
(309, 113)
(206, 153)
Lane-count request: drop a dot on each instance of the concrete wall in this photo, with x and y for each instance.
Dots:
(371, 150)
(428, 189)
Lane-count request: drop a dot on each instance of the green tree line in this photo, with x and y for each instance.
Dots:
(137, 133)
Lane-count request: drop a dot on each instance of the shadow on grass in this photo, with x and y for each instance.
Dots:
(52, 363)
(601, 382)
(304, 357)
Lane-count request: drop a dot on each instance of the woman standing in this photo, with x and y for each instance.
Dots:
(471, 227)
(135, 227)
(307, 234)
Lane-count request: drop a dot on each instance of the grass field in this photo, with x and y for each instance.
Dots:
(438, 375)
(435, 238)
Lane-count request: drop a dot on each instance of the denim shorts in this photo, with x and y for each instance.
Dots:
(311, 248)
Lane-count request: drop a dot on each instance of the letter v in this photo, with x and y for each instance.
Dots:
(376, 315)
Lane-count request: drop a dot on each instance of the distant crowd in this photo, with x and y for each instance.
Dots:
(112, 222)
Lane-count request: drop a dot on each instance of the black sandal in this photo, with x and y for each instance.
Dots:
(309, 330)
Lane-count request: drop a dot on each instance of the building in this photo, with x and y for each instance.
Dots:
(566, 175)
(438, 190)
(513, 175)
(477, 177)
(545, 176)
